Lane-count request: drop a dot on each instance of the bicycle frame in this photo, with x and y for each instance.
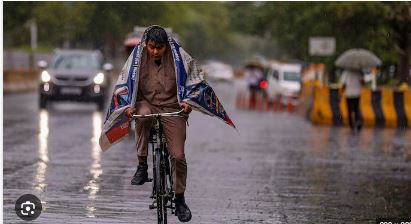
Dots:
(162, 191)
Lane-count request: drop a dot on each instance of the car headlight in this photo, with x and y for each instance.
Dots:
(45, 76)
(99, 78)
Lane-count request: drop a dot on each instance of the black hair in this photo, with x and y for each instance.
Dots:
(158, 35)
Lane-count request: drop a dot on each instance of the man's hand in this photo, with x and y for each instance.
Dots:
(187, 108)
(130, 111)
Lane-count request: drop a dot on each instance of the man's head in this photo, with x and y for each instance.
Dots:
(156, 42)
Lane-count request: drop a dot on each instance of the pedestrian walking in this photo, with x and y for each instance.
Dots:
(352, 81)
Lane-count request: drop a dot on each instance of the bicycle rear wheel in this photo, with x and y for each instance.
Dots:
(160, 189)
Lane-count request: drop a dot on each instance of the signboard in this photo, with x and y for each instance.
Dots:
(321, 46)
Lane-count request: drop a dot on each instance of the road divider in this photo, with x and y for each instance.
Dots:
(18, 81)
(380, 108)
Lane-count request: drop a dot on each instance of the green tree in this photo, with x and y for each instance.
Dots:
(61, 23)
(221, 29)
(383, 28)
(398, 16)
(15, 19)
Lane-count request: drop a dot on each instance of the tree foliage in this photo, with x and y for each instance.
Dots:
(203, 27)
(221, 29)
(383, 28)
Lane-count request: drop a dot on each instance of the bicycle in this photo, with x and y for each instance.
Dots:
(162, 192)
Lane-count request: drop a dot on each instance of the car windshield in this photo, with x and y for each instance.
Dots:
(76, 62)
(292, 76)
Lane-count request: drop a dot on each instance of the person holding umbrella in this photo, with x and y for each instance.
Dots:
(352, 81)
(353, 61)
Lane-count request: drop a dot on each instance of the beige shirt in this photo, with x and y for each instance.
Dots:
(157, 84)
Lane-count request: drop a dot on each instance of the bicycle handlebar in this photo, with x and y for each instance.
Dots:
(171, 114)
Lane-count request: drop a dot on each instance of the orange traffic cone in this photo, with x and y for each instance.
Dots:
(267, 104)
(259, 104)
(274, 104)
(240, 100)
(290, 105)
(280, 104)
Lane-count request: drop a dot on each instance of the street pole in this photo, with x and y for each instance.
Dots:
(33, 41)
(33, 34)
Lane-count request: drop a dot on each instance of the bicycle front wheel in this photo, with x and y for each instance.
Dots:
(160, 189)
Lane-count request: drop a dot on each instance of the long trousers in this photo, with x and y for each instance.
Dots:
(353, 105)
(174, 129)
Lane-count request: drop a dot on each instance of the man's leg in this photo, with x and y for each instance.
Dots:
(358, 119)
(175, 131)
(143, 127)
(350, 108)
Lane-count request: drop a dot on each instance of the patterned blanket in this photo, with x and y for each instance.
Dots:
(191, 88)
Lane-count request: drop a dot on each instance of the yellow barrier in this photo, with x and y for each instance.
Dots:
(343, 110)
(321, 111)
(380, 107)
(407, 106)
(387, 104)
(367, 111)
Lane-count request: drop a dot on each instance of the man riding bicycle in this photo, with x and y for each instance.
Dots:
(159, 77)
(157, 93)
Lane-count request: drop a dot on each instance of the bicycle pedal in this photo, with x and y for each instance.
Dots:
(149, 180)
(152, 206)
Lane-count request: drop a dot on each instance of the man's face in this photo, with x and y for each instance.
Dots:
(156, 50)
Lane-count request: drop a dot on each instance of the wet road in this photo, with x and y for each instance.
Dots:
(277, 168)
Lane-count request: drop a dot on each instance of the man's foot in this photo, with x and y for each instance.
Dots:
(182, 211)
(141, 175)
(359, 126)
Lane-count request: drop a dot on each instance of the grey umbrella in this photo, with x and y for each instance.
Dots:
(357, 59)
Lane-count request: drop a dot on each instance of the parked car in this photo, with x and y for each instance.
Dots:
(284, 81)
(74, 75)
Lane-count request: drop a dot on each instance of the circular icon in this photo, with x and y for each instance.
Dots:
(28, 207)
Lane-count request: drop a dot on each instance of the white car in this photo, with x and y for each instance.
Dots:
(218, 71)
(284, 81)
